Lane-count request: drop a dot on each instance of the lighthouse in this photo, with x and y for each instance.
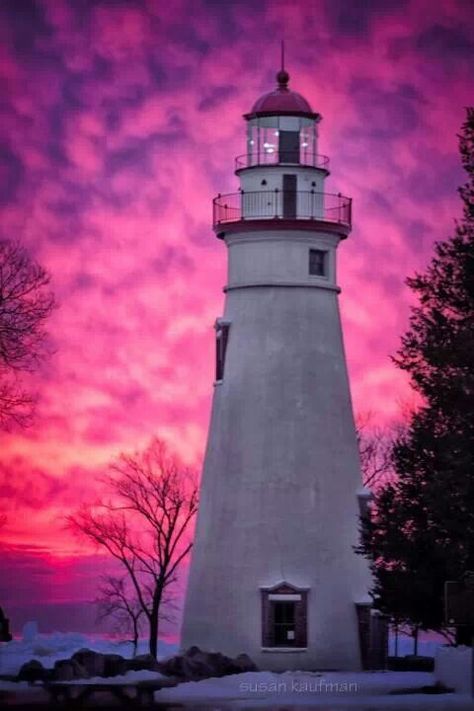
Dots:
(273, 571)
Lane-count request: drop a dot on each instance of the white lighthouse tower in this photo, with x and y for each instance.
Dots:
(273, 570)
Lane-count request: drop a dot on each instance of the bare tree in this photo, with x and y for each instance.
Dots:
(25, 304)
(144, 525)
(375, 450)
(116, 602)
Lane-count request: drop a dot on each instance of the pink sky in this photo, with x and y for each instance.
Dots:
(119, 124)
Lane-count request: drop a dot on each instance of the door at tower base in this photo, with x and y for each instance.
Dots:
(373, 635)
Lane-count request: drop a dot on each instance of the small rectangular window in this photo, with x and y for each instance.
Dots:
(222, 337)
(317, 262)
(284, 617)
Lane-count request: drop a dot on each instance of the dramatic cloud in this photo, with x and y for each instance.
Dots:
(119, 122)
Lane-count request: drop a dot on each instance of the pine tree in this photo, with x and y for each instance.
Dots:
(421, 532)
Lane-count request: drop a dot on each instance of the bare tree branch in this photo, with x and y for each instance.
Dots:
(25, 304)
(375, 450)
(143, 525)
(116, 602)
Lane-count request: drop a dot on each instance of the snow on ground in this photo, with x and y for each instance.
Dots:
(368, 691)
(332, 690)
(49, 648)
(131, 677)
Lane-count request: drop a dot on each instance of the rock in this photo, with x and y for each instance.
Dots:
(223, 665)
(67, 670)
(32, 671)
(197, 664)
(245, 664)
(92, 662)
(114, 665)
(200, 665)
(170, 667)
(143, 661)
(97, 664)
(30, 631)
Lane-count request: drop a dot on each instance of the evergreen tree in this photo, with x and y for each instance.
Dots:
(421, 531)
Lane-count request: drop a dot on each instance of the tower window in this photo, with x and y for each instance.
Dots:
(222, 337)
(317, 262)
(284, 617)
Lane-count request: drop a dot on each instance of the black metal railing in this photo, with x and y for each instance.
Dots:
(282, 204)
(276, 157)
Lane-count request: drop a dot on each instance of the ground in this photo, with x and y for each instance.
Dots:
(332, 691)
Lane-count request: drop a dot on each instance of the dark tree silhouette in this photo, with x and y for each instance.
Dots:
(25, 303)
(421, 532)
(375, 445)
(144, 525)
(118, 602)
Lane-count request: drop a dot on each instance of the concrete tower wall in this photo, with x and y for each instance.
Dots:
(282, 470)
(279, 257)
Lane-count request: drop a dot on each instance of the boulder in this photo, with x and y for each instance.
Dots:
(197, 664)
(92, 662)
(143, 662)
(68, 670)
(33, 671)
(245, 664)
(114, 665)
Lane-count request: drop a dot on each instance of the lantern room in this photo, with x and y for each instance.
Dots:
(281, 175)
(282, 128)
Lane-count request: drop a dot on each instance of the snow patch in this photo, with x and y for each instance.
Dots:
(131, 677)
(295, 688)
(49, 648)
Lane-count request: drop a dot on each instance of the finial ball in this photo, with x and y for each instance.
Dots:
(283, 78)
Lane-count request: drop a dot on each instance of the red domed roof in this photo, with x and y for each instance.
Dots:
(282, 101)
